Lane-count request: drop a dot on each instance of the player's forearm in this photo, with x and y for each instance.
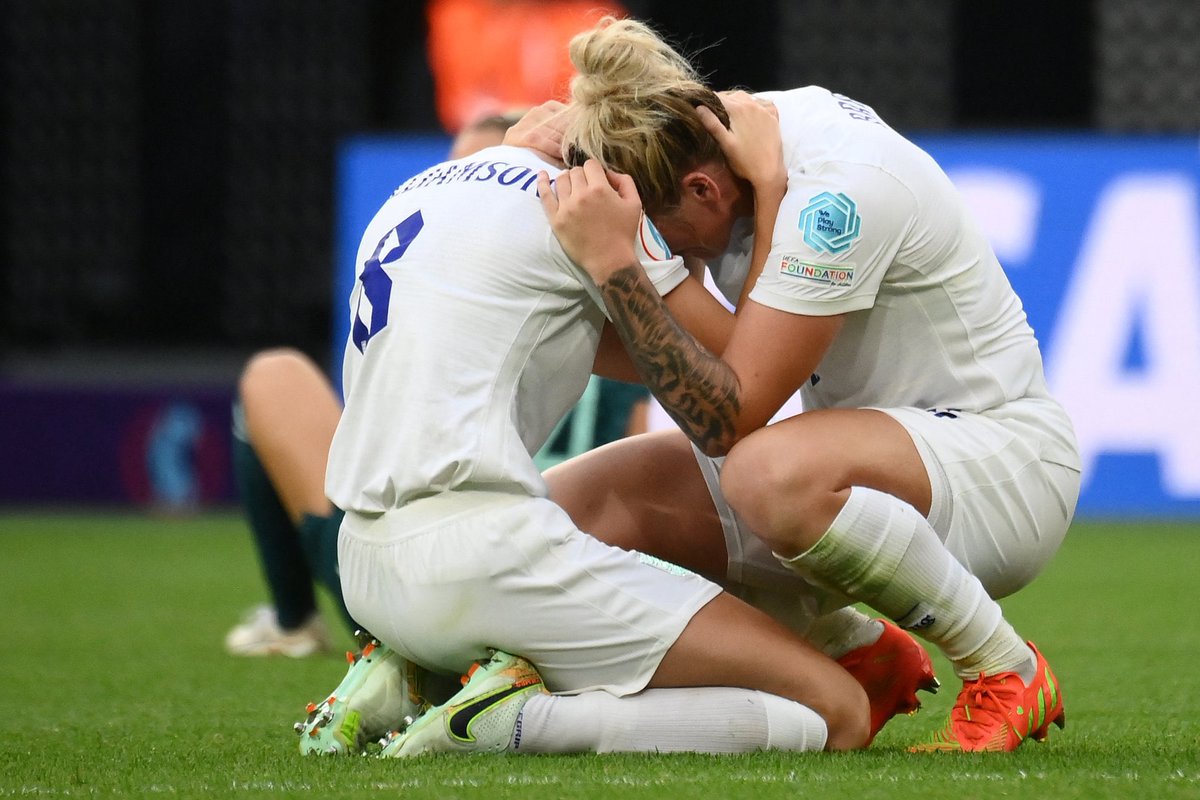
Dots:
(693, 307)
(698, 390)
(767, 200)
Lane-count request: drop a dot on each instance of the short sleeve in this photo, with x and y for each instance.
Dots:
(665, 271)
(838, 230)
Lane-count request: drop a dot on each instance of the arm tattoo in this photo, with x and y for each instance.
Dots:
(698, 390)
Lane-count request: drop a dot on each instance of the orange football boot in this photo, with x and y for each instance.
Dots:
(891, 671)
(995, 713)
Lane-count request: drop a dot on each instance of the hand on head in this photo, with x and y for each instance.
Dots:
(541, 129)
(752, 143)
(595, 215)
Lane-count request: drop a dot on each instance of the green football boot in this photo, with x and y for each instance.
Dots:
(380, 691)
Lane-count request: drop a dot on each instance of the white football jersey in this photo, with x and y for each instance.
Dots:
(871, 227)
(472, 334)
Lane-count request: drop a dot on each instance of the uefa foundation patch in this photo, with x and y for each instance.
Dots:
(822, 274)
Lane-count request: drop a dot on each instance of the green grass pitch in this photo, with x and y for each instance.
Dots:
(114, 683)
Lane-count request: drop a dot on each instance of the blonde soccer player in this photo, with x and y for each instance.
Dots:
(931, 470)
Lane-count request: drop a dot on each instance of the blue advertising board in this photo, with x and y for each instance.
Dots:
(1100, 236)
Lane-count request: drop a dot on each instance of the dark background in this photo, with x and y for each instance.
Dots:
(166, 168)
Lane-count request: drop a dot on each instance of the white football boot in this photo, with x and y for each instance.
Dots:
(259, 634)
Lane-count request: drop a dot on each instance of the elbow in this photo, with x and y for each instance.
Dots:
(714, 449)
(720, 442)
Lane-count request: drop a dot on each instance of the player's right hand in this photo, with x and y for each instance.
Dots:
(595, 214)
(541, 129)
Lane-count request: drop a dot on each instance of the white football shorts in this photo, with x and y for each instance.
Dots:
(447, 577)
(1000, 508)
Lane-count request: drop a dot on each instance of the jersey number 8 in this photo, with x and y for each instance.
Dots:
(376, 285)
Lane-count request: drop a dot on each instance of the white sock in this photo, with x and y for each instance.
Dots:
(843, 630)
(880, 551)
(708, 719)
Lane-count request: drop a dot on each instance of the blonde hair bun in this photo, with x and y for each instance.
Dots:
(624, 57)
(633, 109)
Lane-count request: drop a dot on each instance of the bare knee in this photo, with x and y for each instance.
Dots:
(748, 482)
(848, 720)
(840, 700)
(835, 696)
(269, 371)
(788, 496)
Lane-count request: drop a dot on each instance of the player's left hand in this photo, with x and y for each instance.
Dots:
(752, 144)
(595, 215)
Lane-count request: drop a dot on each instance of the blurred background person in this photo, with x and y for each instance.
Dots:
(284, 419)
(487, 56)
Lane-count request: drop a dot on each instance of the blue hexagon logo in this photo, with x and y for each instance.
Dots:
(830, 222)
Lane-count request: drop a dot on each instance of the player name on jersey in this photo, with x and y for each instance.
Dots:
(503, 173)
